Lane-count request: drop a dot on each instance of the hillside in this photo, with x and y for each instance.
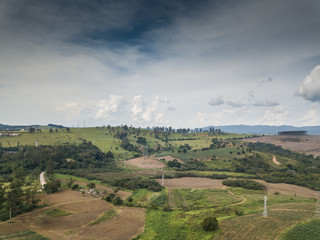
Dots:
(126, 166)
(264, 129)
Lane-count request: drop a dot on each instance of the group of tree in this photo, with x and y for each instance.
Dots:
(14, 199)
(55, 158)
(248, 184)
(136, 183)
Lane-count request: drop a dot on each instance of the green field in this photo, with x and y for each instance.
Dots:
(57, 212)
(306, 230)
(106, 216)
(254, 226)
(22, 235)
(175, 225)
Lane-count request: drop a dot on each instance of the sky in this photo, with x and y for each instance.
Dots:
(179, 63)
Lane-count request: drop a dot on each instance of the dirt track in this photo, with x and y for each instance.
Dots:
(128, 223)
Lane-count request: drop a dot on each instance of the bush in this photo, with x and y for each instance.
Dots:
(117, 201)
(52, 186)
(91, 185)
(248, 184)
(210, 224)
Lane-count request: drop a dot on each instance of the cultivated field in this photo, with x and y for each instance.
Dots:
(309, 144)
(289, 189)
(192, 182)
(127, 222)
(254, 226)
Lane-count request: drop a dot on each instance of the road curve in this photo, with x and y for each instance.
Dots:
(42, 180)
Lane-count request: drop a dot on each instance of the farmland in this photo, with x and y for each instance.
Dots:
(123, 167)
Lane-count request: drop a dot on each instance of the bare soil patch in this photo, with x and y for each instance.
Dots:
(192, 182)
(128, 223)
(274, 159)
(289, 189)
(149, 162)
(122, 194)
(309, 144)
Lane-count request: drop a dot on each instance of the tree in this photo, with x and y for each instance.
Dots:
(15, 194)
(91, 185)
(70, 182)
(68, 130)
(117, 201)
(52, 186)
(210, 224)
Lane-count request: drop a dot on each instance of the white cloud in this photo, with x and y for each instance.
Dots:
(108, 106)
(137, 107)
(311, 118)
(310, 87)
(70, 110)
(148, 114)
(275, 115)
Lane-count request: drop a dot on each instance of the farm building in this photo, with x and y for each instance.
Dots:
(292, 133)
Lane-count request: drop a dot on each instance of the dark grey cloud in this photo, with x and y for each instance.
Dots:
(235, 104)
(216, 101)
(270, 79)
(266, 103)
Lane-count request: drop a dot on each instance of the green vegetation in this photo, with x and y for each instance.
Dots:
(210, 224)
(248, 184)
(94, 156)
(106, 216)
(306, 230)
(57, 212)
(136, 183)
(23, 235)
(175, 225)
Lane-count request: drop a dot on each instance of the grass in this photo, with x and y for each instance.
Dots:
(106, 216)
(23, 235)
(175, 225)
(57, 212)
(208, 198)
(143, 197)
(306, 230)
(255, 198)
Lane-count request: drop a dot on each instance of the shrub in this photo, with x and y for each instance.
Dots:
(117, 201)
(210, 224)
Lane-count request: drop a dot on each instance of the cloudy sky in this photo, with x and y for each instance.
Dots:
(144, 63)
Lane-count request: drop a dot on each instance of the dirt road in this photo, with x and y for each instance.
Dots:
(42, 180)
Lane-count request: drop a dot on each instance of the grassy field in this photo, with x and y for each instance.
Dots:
(106, 216)
(175, 225)
(22, 235)
(208, 198)
(306, 230)
(57, 212)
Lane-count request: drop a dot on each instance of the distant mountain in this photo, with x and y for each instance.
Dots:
(265, 129)
(25, 127)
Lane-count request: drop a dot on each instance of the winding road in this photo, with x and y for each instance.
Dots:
(42, 180)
